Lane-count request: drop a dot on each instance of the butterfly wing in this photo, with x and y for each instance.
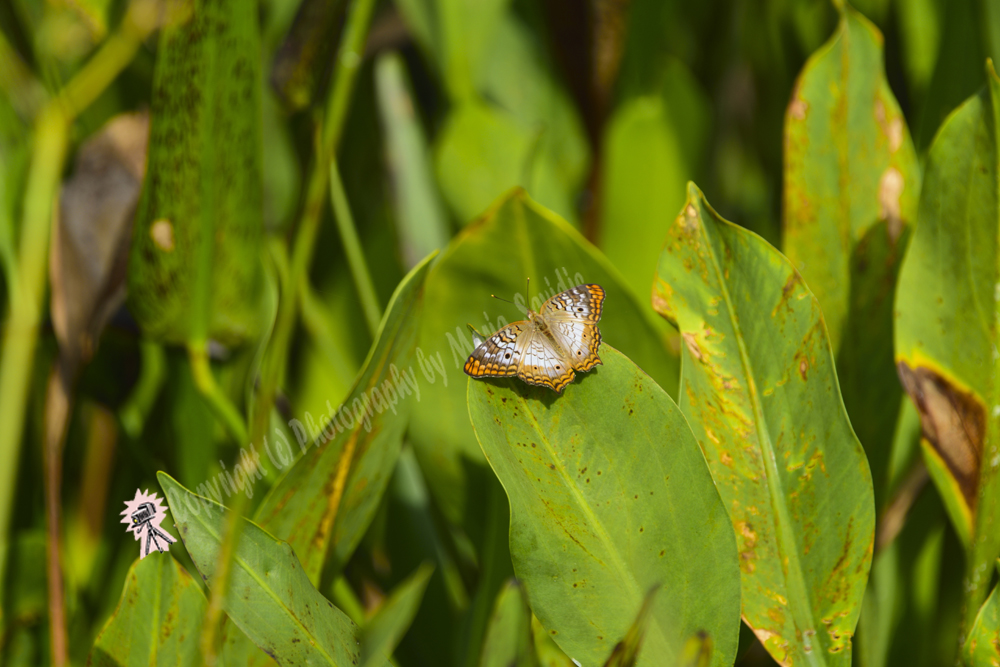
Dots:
(572, 318)
(542, 363)
(498, 356)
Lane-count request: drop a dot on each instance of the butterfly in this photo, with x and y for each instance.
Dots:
(549, 347)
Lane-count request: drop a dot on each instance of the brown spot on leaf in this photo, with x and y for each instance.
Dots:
(162, 233)
(953, 422)
(803, 367)
(786, 293)
(692, 345)
(797, 109)
(890, 188)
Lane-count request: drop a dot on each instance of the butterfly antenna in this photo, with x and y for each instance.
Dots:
(499, 299)
(527, 291)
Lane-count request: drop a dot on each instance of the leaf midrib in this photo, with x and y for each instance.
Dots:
(605, 539)
(318, 645)
(785, 548)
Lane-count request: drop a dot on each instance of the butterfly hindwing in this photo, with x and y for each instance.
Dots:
(581, 340)
(572, 317)
(498, 355)
(542, 363)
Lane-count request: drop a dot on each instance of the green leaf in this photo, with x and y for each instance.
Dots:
(607, 487)
(480, 153)
(920, 24)
(422, 222)
(456, 35)
(270, 597)
(509, 641)
(328, 498)
(982, 645)
(626, 652)
(523, 84)
(697, 651)
(647, 160)
(900, 620)
(849, 164)
(383, 631)
(852, 183)
(956, 69)
(759, 388)
(159, 616)
(947, 332)
(548, 652)
(195, 263)
(515, 240)
(529, 134)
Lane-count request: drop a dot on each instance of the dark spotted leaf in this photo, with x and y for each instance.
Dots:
(607, 490)
(270, 597)
(329, 496)
(195, 265)
(947, 328)
(759, 388)
(982, 645)
(851, 187)
(159, 614)
(849, 164)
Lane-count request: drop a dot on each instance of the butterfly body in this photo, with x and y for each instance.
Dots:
(548, 348)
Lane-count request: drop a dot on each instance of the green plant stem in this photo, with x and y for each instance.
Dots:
(116, 52)
(27, 296)
(349, 57)
(355, 255)
(273, 367)
(225, 411)
(26, 306)
(152, 371)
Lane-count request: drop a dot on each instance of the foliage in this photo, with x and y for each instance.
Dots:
(246, 248)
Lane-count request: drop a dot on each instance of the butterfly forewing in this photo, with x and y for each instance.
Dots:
(582, 303)
(498, 355)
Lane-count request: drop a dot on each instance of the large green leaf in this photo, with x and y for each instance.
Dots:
(851, 187)
(456, 35)
(515, 240)
(527, 134)
(423, 225)
(849, 164)
(325, 501)
(523, 84)
(195, 265)
(759, 388)
(270, 597)
(608, 490)
(946, 330)
(652, 147)
(509, 641)
(159, 617)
